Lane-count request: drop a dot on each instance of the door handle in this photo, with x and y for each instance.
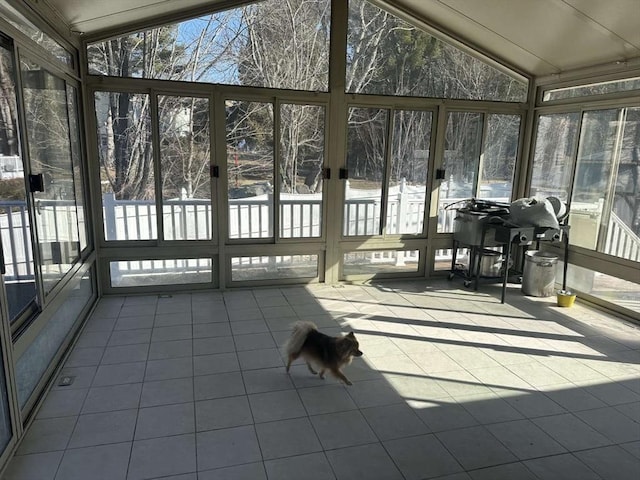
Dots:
(36, 183)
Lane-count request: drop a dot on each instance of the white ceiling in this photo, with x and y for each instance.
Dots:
(538, 37)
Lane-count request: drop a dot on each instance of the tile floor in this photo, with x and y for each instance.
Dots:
(453, 385)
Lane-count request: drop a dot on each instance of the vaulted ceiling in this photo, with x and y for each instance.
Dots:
(537, 37)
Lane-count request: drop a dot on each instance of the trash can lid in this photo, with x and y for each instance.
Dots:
(541, 256)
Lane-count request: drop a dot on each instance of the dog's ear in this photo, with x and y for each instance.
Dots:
(350, 334)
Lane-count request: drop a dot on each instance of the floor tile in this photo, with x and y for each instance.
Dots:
(611, 463)
(171, 349)
(158, 457)
(342, 429)
(223, 413)
(119, 374)
(114, 397)
(85, 357)
(102, 428)
(475, 447)
(164, 392)
(216, 363)
(165, 420)
(571, 432)
(40, 466)
(443, 415)
(227, 447)
(612, 424)
(168, 368)
(62, 403)
(212, 345)
(205, 330)
(326, 399)
(372, 393)
(248, 471)
(47, 435)
(219, 385)
(565, 467)
(104, 462)
(373, 463)
(314, 465)
(509, 471)
(421, 456)
(266, 380)
(254, 341)
(129, 337)
(525, 439)
(176, 332)
(210, 400)
(287, 438)
(258, 359)
(394, 421)
(125, 354)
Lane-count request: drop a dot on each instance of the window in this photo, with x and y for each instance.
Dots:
(251, 170)
(51, 155)
(240, 46)
(185, 156)
(590, 160)
(480, 154)
(386, 192)
(126, 165)
(598, 88)
(389, 56)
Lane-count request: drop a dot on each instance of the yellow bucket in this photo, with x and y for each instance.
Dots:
(566, 299)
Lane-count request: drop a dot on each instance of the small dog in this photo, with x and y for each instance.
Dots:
(330, 353)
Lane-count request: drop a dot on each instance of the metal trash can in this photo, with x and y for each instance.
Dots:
(539, 275)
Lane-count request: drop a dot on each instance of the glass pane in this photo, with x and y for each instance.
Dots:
(18, 20)
(250, 169)
(599, 88)
(146, 273)
(463, 141)
(6, 429)
(593, 175)
(274, 267)
(408, 176)
(48, 133)
(389, 56)
(126, 165)
(499, 157)
(185, 156)
(37, 358)
(15, 230)
(366, 165)
(623, 229)
(617, 291)
(553, 157)
(383, 261)
(300, 167)
(76, 160)
(263, 44)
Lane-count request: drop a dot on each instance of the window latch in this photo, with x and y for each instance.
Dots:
(214, 171)
(344, 174)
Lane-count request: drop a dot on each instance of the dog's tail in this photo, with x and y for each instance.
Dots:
(298, 336)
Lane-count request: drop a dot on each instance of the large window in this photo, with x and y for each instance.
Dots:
(480, 154)
(185, 156)
(49, 133)
(240, 46)
(126, 165)
(591, 161)
(389, 56)
(385, 191)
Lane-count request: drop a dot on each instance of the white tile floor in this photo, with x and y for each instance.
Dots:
(453, 385)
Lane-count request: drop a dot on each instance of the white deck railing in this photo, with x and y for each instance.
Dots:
(191, 219)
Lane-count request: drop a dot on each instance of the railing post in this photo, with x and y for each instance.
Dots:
(402, 205)
(109, 208)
